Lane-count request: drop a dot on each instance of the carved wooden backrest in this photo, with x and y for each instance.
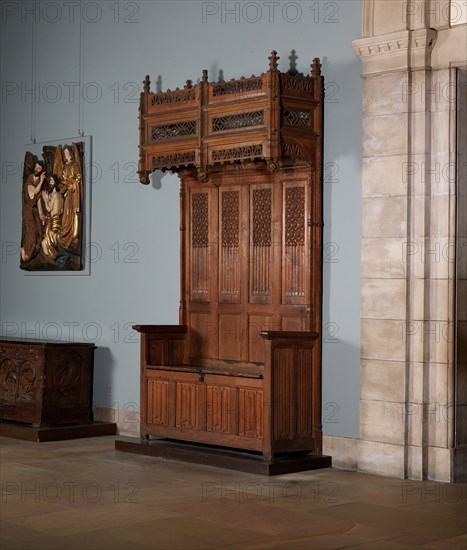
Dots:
(248, 241)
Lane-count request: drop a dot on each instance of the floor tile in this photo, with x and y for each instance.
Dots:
(83, 495)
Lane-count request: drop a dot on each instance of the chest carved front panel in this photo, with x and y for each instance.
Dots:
(46, 383)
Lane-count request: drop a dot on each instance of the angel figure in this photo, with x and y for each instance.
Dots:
(70, 173)
(54, 204)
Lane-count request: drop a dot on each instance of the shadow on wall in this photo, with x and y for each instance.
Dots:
(342, 238)
(342, 109)
(340, 410)
(104, 367)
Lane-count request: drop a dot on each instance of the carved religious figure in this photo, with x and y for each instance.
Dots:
(52, 209)
(54, 203)
(71, 177)
(32, 213)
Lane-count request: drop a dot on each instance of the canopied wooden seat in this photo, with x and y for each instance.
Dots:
(243, 367)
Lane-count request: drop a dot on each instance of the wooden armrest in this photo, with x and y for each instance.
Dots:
(162, 344)
(288, 335)
(160, 329)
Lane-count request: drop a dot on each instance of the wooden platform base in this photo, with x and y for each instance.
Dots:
(223, 458)
(26, 432)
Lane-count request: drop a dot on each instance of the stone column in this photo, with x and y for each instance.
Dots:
(408, 242)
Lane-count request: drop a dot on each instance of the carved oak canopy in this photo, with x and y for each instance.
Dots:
(275, 118)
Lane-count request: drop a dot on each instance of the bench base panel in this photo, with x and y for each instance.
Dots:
(221, 457)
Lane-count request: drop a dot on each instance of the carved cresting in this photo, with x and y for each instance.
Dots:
(252, 117)
(177, 96)
(237, 87)
(294, 84)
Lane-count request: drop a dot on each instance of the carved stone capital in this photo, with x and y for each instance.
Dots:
(395, 51)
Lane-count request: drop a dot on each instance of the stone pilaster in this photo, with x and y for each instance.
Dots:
(408, 248)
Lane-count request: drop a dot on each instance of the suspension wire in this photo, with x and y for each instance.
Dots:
(81, 73)
(33, 81)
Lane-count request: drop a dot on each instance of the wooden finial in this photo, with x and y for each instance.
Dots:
(316, 68)
(273, 61)
(146, 84)
(205, 75)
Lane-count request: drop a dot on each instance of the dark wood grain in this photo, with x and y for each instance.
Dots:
(46, 383)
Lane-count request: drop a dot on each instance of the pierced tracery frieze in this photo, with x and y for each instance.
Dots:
(171, 131)
(237, 153)
(177, 159)
(237, 121)
(296, 118)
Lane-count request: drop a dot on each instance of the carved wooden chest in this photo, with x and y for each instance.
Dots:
(46, 383)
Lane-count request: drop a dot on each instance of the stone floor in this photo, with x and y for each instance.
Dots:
(84, 495)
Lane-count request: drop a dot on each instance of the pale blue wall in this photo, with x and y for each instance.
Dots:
(170, 39)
